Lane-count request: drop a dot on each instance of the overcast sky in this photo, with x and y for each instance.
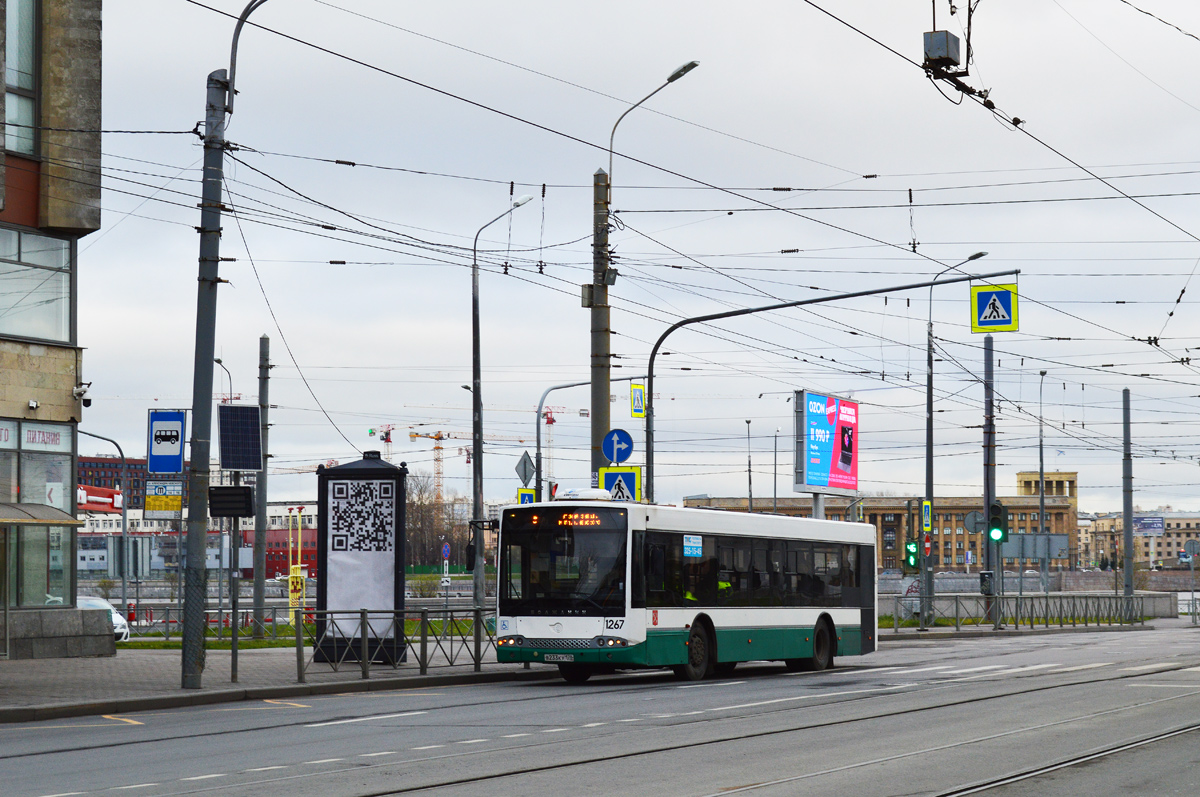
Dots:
(441, 106)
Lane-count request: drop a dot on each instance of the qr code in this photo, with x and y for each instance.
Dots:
(362, 515)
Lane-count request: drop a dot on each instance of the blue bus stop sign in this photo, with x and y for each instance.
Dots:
(617, 446)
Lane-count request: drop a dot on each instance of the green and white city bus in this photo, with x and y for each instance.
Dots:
(599, 586)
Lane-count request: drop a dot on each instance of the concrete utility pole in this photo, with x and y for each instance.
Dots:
(1127, 492)
(260, 490)
(601, 319)
(995, 561)
(218, 103)
(749, 472)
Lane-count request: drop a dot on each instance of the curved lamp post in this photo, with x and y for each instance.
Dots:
(603, 276)
(477, 409)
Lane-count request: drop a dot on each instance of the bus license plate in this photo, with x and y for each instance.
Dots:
(559, 657)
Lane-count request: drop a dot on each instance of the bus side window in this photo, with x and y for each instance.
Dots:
(656, 572)
(637, 571)
(851, 587)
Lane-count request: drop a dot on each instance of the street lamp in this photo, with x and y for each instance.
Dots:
(678, 73)
(749, 474)
(1042, 479)
(775, 476)
(228, 376)
(602, 277)
(477, 408)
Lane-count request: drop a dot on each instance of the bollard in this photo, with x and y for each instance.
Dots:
(362, 636)
(424, 641)
(299, 653)
(478, 640)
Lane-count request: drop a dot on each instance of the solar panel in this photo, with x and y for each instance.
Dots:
(240, 436)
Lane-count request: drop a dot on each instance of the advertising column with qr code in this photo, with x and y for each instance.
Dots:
(361, 536)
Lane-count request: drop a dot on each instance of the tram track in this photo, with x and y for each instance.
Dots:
(484, 779)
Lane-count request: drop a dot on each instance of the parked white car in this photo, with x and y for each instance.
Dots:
(120, 626)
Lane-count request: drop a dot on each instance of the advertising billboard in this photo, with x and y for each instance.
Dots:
(1147, 526)
(826, 444)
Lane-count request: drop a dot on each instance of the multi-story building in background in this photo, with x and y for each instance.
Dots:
(1159, 537)
(955, 546)
(49, 199)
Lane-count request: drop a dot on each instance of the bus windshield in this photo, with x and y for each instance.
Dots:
(563, 561)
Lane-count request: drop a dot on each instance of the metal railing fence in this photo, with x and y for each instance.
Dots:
(1017, 611)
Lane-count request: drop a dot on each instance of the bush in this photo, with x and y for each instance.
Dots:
(424, 586)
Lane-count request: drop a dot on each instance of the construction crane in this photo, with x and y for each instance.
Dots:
(437, 438)
(385, 434)
(311, 468)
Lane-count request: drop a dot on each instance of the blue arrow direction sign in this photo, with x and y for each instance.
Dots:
(618, 445)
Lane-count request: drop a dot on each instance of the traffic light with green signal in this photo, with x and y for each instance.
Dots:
(997, 522)
(911, 559)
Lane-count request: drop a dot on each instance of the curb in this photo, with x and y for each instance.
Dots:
(128, 705)
(923, 636)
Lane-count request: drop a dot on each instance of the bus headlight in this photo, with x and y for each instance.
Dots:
(610, 642)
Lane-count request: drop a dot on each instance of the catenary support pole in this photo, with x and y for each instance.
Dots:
(996, 564)
(260, 489)
(601, 319)
(219, 102)
(195, 584)
(1127, 492)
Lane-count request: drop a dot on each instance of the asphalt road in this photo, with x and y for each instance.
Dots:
(1068, 714)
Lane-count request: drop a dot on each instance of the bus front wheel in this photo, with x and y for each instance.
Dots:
(699, 656)
(575, 673)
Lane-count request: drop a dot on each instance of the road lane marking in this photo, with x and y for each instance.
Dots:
(372, 755)
(472, 741)
(263, 769)
(1191, 669)
(1010, 671)
(709, 686)
(286, 703)
(515, 735)
(555, 730)
(324, 761)
(923, 669)
(66, 794)
(632, 720)
(1155, 666)
(1165, 686)
(121, 719)
(974, 669)
(366, 719)
(136, 786)
(1083, 667)
(206, 777)
(429, 747)
(593, 724)
(809, 697)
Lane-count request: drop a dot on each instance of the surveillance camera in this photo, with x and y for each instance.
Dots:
(33, 405)
(87, 402)
(79, 391)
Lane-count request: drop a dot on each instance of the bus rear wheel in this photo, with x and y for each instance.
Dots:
(699, 659)
(822, 655)
(575, 673)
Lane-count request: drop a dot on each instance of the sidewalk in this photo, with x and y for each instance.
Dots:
(141, 680)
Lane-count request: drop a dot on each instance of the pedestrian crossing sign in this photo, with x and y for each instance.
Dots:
(994, 308)
(623, 482)
(526, 495)
(637, 401)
